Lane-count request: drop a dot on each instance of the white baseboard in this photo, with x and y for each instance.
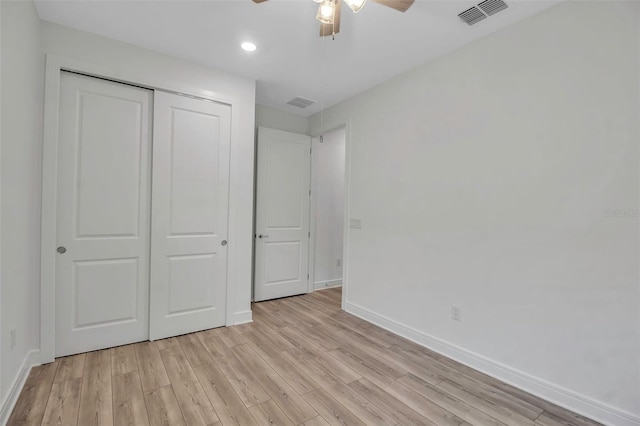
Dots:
(551, 392)
(32, 359)
(242, 318)
(321, 285)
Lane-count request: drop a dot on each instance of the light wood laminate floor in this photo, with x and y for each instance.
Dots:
(302, 361)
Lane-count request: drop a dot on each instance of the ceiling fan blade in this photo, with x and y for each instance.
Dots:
(399, 5)
(259, 1)
(330, 29)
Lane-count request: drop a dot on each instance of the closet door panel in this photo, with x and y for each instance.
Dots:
(189, 215)
(103, 208)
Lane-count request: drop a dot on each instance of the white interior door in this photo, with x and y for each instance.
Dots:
(282, 214)
(189, 214)
(102, 281)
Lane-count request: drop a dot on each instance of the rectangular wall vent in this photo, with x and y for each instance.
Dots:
(491, 7)
(472, 16)
(300, 102)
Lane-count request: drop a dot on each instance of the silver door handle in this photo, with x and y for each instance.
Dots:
(263, 236)
(61, 250)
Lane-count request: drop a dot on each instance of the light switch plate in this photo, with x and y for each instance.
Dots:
(355, 223)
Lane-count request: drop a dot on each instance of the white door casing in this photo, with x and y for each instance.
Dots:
(189, 214)
(103, 202)
(282, 214)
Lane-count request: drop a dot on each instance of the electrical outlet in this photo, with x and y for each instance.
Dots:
(456, 312)
(339, 262)
(13, 338)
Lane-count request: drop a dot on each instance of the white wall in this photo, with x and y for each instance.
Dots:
(327, 176)
(281, 120)
(2, 397)
(22, 102)
(482, 180)
(157, 70)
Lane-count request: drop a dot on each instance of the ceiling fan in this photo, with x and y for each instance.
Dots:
(329, 11)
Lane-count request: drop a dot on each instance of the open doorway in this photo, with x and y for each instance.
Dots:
(327, 210)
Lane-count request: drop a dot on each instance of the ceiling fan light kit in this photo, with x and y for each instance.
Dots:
(326, 12)
(329, 11)
(355, 5)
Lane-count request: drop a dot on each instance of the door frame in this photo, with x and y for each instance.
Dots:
(118, 73)
(346, 125)
(312, 213)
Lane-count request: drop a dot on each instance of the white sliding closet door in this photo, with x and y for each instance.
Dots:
(189, 214)
(103, 197)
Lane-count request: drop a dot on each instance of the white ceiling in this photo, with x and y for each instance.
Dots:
(291, 60)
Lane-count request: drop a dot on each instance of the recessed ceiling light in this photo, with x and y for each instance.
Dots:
(248, 46)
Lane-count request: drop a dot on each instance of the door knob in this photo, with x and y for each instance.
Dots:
(263, 236)
(224, 243)
(61, 250)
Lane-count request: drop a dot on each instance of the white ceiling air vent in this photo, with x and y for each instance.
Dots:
(482, 10)
(300, 102)
(491, 7)
(472, 16)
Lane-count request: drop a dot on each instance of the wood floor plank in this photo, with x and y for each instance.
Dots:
(293, 405)
(407, 396)
(315, 352)
(96, 404)
(194, 404)
(225, 401)
(316, 421)
(428, 375)
(299, 381)
(193, 349)
(390, 405)
(167, 343)
(268, 413)
(496, 411)
(472, 383)
(331, 410)
(549, 420)
(566, 419)
(353, 401)
(63, 404)
(551, 410)
(295, 336)
(129, 408)
(150, 366)
(449, 402)
(361, 366)
(327, 296)
(241, 328)
(348, 323)
(269, 317)
(29, 408)
(302, 316)
(228, 336)
(379, 335)
(367, 352)
(245, 385)
(322, 337)
(123, 360)
(279, 342)
(69, 368)
(176, 364)
(163, 408)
